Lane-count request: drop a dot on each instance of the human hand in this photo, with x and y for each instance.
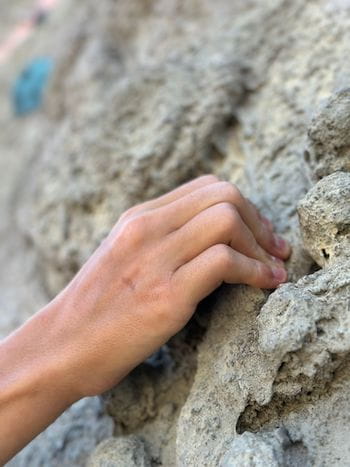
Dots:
(139, 288)
(143, 283)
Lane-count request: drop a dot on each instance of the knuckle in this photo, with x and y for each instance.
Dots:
(223, 254)
(129, 213)
(210, 178)
(135, 229)
(230, 191)
(228, 216)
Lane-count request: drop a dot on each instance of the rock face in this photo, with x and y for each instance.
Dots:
(324, 217)
(259, 451)
(120, 452)
(70, 439)
(149, 95)
(329, 138)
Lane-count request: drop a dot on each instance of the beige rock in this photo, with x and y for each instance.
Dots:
(324, 218)
(120, 452)
(329, 136)
(147, 95)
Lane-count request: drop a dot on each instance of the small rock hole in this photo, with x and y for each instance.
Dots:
(306, 156)
(325, 254)
(314, 268)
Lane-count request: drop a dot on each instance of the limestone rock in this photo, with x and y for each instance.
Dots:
(70, 440)
(120, 452)
(147, 95)
(250, 450)
(305, 328)
(132, 402)
(230, 370)
(329, 136)
(149, 400)
(247, 451)
(324, 218)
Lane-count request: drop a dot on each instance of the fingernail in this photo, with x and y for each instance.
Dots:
(279, 274)
(280, 243)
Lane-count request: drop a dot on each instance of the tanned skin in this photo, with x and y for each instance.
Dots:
(139, 288)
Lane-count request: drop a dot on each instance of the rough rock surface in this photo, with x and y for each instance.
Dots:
(270, 449)
(329, 136)
(151, 94)
(325, 219)
(120, 452)
(70, 439)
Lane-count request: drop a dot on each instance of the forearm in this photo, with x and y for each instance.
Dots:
(33, 393)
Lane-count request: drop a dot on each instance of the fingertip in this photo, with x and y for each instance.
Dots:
(264, 276)
(280, 275)
(272, 277)
(281, 247)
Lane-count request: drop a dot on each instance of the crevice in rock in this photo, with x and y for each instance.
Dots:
(325, 254)
(314, 268)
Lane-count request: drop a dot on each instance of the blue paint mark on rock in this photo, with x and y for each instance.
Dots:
(28, 90)
(161, 358)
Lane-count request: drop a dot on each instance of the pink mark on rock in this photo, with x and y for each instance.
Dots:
(21, 32)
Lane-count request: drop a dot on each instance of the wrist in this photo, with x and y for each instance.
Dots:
(32, 384)
(31, 365)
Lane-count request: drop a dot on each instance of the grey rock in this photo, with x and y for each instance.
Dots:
(147, 95)
(120, 452)
(329, 136)
(272, 449)
(70, 440)
(251, 450)
(325, 219)
(304, 328)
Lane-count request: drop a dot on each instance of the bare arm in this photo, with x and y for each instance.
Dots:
(138, 289)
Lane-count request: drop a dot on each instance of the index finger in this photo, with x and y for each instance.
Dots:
(172, 195)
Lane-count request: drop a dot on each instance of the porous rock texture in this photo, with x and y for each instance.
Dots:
(148, 95)
(325, 219)
(121, 452)
(70, 439)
